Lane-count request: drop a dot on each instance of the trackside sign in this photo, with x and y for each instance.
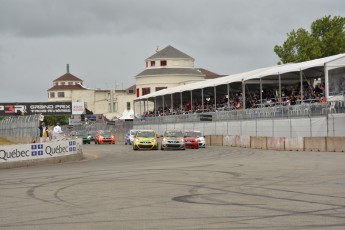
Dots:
(12, 153)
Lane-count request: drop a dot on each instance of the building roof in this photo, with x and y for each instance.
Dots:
(67, 77)
(170, 52)
(67, 87)
(208, 74)
(170, 71)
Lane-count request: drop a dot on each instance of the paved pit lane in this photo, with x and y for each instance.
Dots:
(213, 188)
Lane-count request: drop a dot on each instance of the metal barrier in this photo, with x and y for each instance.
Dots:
(291, 111)
(20, 126)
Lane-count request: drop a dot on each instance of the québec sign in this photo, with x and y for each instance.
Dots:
(13, 153)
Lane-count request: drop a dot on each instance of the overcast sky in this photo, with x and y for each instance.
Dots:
(106, 42)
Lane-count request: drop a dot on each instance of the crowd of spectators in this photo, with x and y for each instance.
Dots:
(290, 95)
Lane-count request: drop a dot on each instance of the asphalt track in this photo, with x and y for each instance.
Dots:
(213, 188)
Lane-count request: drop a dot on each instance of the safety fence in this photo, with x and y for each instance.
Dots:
(293, 111)
(25, 128)
(20, 126)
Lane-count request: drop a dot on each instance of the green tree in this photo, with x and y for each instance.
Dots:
(326, 38)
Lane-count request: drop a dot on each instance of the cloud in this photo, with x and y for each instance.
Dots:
(107, 41)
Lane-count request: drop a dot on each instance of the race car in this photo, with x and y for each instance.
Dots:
(145, 139)
(104, 137)
(194, 139)
(173, 139)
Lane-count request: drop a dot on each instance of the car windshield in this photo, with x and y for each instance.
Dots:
(173, 134)
(105, 133)
(146, 134)
(192, 134)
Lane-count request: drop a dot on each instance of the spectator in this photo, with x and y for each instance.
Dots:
(43, 132)
(57, 131)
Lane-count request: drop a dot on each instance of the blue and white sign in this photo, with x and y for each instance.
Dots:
(12, 153)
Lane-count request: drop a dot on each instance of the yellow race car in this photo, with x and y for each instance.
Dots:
(145, 139)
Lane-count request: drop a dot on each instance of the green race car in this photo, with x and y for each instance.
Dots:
(145, 139)
(83, 135)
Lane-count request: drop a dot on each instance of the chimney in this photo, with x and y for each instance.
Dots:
(67, 68)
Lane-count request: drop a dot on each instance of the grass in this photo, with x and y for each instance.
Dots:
(4, 141)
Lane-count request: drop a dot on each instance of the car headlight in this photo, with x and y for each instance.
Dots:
(153, 140)
(182, 140)
(164, 140)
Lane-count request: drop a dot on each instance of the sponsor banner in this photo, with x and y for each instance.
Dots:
(78, 107)
(13, 153)
(205, 117)
(44, 108)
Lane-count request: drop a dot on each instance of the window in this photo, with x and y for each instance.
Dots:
(138, 93)
(160, 88)
(163, 63)
(153, 63)
(128, 106)
(61, 94)
(115, 105)
(70, 83)
(52, 94)
(147, 64)
(145, 91)
(131, 91)
(62, 83)
(55, 83)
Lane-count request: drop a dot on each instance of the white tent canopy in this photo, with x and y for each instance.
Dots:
(328, 62)
(127, 115)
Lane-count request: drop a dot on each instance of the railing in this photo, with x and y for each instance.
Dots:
(20, 126)
(279, 111)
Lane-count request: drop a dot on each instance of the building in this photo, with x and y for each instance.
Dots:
(166, 68)
(111, 103)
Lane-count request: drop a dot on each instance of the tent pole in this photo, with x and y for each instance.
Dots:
(215, 99)
(228, 88)
(202, 99)
(280, 87)
(260, 91)
(155, 107)
(243, 95)
(181, 101)
(326, 93)
(301, 77)
(191, 100)
(172, 103)
(163, 104)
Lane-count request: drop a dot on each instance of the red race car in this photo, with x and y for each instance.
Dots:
(191, 139)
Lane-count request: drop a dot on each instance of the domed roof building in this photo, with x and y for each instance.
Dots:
(167, 68)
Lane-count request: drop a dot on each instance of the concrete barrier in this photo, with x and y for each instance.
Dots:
(242, 141)
(23, 155)
(258, 142)
(208, 140)
(315, 144)
(216, 140)
(276, 143)
(229, 141)
(294, 143)
(335, 144)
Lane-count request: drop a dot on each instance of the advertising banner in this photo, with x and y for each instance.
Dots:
(44, 108)
(78, 107)
(12, 153)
